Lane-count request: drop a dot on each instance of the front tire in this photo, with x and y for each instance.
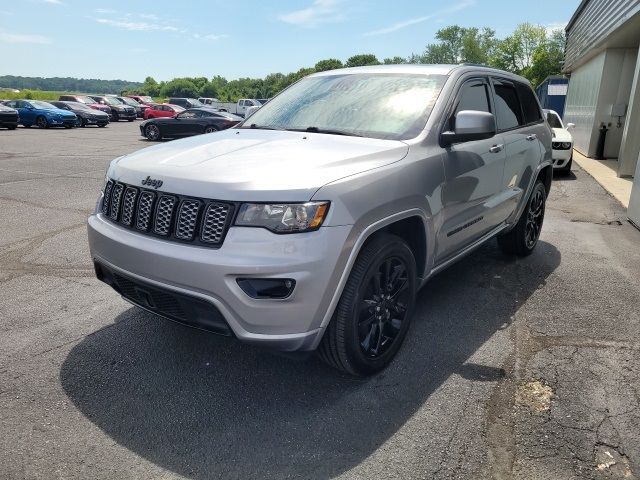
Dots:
(374, 312)
(522, 239)
(41, 122)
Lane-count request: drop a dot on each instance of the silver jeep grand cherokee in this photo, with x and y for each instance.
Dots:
(312, 225)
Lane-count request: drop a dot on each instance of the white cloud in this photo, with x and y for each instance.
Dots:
(53, 2)
(136, 26)
(413, 21)
(24, 38)
(320, 11)
(552, 27)
(104, 10)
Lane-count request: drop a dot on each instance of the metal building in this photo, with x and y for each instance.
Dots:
(602, 61)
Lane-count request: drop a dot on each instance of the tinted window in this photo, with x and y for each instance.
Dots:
(529, 104)
(508, 112)
(188, 114)
(473, 96)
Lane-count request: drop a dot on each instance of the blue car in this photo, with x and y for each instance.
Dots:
(42, 114)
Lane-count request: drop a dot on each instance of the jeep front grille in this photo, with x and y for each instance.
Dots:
(198, 221)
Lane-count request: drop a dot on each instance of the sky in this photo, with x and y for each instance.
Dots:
(133, 39)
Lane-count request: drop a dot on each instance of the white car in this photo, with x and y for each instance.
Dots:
(562, 142)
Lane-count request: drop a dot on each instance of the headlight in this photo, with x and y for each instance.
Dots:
(566, 145)
(283, 218)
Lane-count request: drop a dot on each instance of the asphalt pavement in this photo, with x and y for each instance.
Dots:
(513, 368)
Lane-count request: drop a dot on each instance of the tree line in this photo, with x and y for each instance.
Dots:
(530, 50)
(67, 84)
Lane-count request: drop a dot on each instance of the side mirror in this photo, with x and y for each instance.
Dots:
(470, 125)
(570, 126)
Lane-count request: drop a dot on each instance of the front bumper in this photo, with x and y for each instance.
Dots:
(561, 157)
(66, 122)
(315, 260)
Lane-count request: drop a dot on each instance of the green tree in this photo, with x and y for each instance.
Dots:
(180, 87)
(457, 44)
(328, 64)
(362, 60)
(515, 52)
(394, 60)
(547, 58)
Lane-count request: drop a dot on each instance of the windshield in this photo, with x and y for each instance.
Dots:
(129, 101)
(39, 104)
(554, 120)
(85, 99)
(113, 101)
(146, 98)
(195, 103)
(392, 106)
(78, 106)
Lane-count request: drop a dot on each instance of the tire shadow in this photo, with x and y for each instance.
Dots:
(206, 407)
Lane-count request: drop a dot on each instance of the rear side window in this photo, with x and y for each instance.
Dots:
(529, 104)
(508, 110)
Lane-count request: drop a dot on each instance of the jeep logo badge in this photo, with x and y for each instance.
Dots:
(152, 183)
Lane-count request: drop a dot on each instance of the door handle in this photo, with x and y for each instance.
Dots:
(496, 148)
(532, 137)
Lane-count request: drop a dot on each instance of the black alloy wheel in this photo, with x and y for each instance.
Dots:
(535, 216)
(210, 129)
(152, 132)
(373, 315)
(41, 122)
(522, 239)
(383, 306)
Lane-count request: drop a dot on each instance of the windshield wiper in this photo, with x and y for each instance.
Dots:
(262, 127)
(324, 130)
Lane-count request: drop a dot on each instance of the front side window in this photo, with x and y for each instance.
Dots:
(473, 96)
(187, 114)
(508, 110)
(378, 105)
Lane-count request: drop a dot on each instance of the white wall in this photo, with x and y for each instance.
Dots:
(630, 148)
(582, 100)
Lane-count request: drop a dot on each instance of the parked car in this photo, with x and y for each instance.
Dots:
(186, 102)
(86, 115)
(562, 142)
(239, 108)
(9, 117)
(42, 114)
(119, 111)
(208, 100)
(139, 107)
(192, 121)
(162, 110)
(317, 221)
(88, 101)
(143, 99)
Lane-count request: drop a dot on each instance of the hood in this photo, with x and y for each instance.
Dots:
(561, 135)
(58, 111)
(99, 106)
(255, 165)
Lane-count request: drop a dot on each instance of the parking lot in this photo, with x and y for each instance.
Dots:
(513, 368)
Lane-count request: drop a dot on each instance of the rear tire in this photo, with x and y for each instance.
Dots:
(210, 129)
(374, 312)
(152, 132)
(522, 239)
(12, 127)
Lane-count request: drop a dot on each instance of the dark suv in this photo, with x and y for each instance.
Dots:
(119, 111)
(186, 102)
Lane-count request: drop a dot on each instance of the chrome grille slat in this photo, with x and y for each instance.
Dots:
(187, 219)
(116, 197)
(106, 200)
(214, 223)
(129, 205)
(145, 207)
(173, 217)
(164, 214)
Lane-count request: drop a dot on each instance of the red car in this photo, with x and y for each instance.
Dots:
(88, 101)
(143, 99)
(162, 110)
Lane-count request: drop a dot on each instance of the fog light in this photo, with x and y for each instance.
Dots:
(267, 287)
